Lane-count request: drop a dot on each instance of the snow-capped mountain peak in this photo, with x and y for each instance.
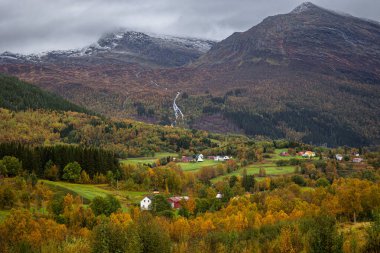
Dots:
(304, 7)
(126, 46)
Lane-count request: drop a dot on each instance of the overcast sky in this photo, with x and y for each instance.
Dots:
(31, 26)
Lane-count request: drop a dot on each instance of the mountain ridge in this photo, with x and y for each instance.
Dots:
(125, 46)
(292, 76)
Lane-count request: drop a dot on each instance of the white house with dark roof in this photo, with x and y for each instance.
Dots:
(145, 203)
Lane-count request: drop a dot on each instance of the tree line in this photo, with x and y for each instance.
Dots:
(36, 158)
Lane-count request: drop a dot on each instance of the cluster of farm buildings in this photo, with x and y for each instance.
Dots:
(201, 158)
(338, 157)
(175, 202)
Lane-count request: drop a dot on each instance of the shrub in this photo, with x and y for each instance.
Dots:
(322, 182)
(12, 164)
(282, 162)
(71, 172)
(106, 206)
(298, 179)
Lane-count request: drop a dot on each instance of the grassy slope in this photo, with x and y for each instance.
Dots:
(268, 164)
(143, 160)
(185, 166)
(90, 191)
(191, 166)
(4, 214)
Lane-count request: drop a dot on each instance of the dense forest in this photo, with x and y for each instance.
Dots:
(38, 159)
(127, 138)
(18, 95)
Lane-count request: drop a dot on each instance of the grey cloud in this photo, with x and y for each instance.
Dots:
(30, 26)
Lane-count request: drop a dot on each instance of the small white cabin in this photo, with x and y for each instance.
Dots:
(199, 158)
(145, 203)
(221, 158)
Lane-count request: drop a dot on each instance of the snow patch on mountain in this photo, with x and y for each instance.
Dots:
(304, 7)
(195, 43)
(308, 6)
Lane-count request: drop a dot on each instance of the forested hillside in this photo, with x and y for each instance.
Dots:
(127, 138)
(19, 95)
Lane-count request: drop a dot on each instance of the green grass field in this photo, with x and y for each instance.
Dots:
(269, 164)
(143, 160)
(276, 156)
(4, 214)
(190, 166)
(90, 191)
(254, 170)
(196, 166)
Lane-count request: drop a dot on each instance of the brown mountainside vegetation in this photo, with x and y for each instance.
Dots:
(309, 75)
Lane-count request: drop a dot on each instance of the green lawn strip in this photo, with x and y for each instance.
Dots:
(4, 214)
(254, 169)
(141, 160)
(87, 191)
(307, 188)
(282, 170)
(165, 154)
(148, 159)
(90, 191)
(128, 197)
(191, 166)
(276, 156)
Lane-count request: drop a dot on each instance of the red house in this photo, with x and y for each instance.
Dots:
(175, 202)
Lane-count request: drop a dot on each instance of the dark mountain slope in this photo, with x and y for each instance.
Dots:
(18, 95)
(309, 38)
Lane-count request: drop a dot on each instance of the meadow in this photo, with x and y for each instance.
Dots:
(90, 191)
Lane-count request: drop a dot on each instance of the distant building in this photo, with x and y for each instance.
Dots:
(218, 158)
(357, 160)
(339, 157)
(219, 195)
(309, 154)
(175, 202)
(199, 158)
(186, 159)
(145, 203)
(284, 154)
(222, 158)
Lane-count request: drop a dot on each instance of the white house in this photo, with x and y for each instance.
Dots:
(219, 195)
(339, 157)
(221, 158)
(145, 203)
(218, 158)
(199, 158)
(357, 160)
